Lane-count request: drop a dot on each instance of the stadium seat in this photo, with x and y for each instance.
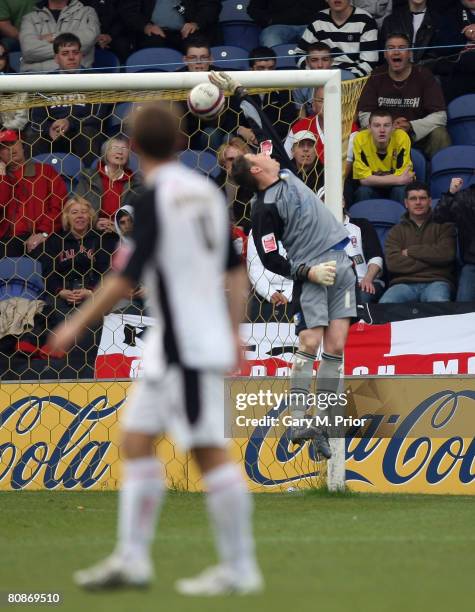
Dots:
(14, 58)
(383, 214)
(202, 161)
(434, 202)
(230, 58)
(154, 59)
(419, 163)
(115, 121)
(461, 120)
(286, 57)
(20, 277)
(105, 61)
(237, 27)
(66, 164)
(453, 161)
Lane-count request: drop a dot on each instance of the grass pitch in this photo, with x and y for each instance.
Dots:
(335, 553)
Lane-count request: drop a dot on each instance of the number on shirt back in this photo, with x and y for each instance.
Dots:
(205, 229)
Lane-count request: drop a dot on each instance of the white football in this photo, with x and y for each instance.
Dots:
(205, 101)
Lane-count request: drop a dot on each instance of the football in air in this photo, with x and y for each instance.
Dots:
(205, 101)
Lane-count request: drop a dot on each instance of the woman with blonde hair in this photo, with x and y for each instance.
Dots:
(75, 259)
(237, 198)
(111, 184)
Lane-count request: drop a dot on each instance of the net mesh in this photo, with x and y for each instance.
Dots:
(60, 429)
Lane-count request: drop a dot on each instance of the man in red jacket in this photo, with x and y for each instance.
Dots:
(31, 198)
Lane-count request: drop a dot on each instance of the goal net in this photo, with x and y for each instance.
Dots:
(59, 416)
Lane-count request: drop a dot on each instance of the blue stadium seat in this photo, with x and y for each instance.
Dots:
(461, 120)
(20, 277)
(434, 202)
(15, 57)
(286, 57)
(202, 161)
(237, 26)
(383, 214)
(420, 164)
(458, 160)
(115, 121)
(105, 60)
(154, 59)
(230, 58)
(66, 164)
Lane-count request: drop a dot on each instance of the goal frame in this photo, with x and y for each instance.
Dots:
(333, 167)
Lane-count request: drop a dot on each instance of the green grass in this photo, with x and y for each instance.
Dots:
(319, 552)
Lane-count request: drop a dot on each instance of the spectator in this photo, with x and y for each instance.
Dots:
(5, 67)
(31, 197)
(75, 259)
(419, 23)
(309, 167)
(379, 9)
(312, 124)
(65, 127)
(237, 198)
(168, 23)
(197, 55)
(124, 225)
(277, 105)
(270, 292)
(420, 254)
(109, 186)
(114, 31)
(458, 206)
(283, 22)
(205, 133)
(11, 14)
(45, 22)
(365, 251)
(456, 68)
(382, 160)
(318, 58)
(411, 94)
(350, 32)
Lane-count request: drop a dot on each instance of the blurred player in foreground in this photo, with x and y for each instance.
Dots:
(182, 247)
(285, 210)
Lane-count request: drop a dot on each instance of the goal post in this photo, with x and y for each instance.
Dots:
(115, 82)
(340, 101)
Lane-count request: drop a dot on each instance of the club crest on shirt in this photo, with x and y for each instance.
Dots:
(269, 243)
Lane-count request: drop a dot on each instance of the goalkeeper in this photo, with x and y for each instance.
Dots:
(285, 209)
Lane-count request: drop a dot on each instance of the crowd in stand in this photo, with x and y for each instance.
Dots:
(418, 54)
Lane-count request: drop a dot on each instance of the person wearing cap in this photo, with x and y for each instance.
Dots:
(309, 167)
(31, 198)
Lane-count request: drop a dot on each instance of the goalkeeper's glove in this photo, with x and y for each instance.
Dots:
(320, 274)
(223, 81)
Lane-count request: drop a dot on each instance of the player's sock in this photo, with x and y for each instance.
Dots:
(329, 381)
(140, 499)
(230, 508)
(300, 383)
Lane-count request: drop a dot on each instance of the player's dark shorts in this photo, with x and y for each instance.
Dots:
(317, 305)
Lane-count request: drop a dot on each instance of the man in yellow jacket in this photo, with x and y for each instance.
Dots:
(382, 159)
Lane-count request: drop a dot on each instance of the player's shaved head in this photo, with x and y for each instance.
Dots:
(154, 131)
